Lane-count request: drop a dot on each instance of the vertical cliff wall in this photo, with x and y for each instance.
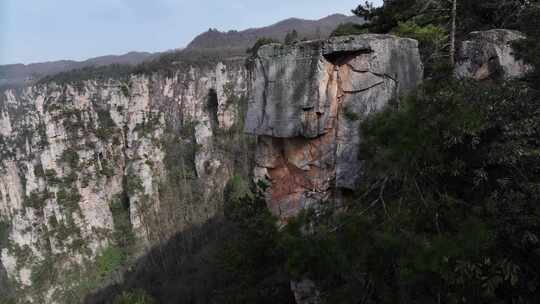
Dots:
(306, 107)
(85, 167)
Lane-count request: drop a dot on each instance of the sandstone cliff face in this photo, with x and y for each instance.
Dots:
(489, 54)
(306, 106)
(72, 156)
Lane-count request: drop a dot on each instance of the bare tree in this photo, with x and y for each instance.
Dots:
(453, 34)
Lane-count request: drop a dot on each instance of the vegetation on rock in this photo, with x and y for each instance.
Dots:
(447, 212)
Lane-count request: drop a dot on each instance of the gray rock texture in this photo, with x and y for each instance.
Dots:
(70, 152)
(307, 102)
(489, 55)
(305, 292)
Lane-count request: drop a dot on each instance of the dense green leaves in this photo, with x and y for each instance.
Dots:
(449, 208)
(251, 258)
(110, 260)
(448, 211)
(134, 297)
(349, 28)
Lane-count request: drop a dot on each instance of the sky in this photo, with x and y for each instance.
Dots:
(47, 30)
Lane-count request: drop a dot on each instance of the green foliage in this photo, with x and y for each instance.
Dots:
(51, 177)
(73, 123)
(148, 125)
(106, 125)
(43, 273)
(107, 168)
(180, 155)
(428, 21)
(291, 38)
(489, 14)
(237, 189)
(70, 157)
(126, 89)
(134, 184)
(110, 260)
(350, 114)
(66, 231)
(433, 41)
(447, 211)
(172, 62)
(529, 49)
(123, 231)
(8, 300)
(37, 199)
(384, 18)
(43, 141)
(471, 15)
(23, 253)
(69, 198)
(251, 258)
(5, 228)
(233, 142)
(313, 255)
(78, 76)
(167, 63)
(38, 171)
(349, 28)
(443, 172)
(134, 297)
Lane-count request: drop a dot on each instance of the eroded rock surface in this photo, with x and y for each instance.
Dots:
(489, 55)
(73, 155)
(306, 106)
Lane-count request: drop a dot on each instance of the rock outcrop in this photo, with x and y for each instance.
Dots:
(305, 292)
(489, 55)
(306, 106)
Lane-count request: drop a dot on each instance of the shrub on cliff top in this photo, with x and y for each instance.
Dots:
(349, 28)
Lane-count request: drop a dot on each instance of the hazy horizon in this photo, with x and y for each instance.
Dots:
(50, 30)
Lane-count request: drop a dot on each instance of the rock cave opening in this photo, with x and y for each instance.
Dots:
(212, 104)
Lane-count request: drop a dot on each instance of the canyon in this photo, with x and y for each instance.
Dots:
(85, 165)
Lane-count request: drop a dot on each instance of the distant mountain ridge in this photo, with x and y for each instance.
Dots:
(19, 74)
(310, 29)
(13, 75)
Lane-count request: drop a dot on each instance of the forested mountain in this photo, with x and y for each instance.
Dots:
(306, 29)
(19, 74)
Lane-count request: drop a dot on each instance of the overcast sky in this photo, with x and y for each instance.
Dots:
(46, 30)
